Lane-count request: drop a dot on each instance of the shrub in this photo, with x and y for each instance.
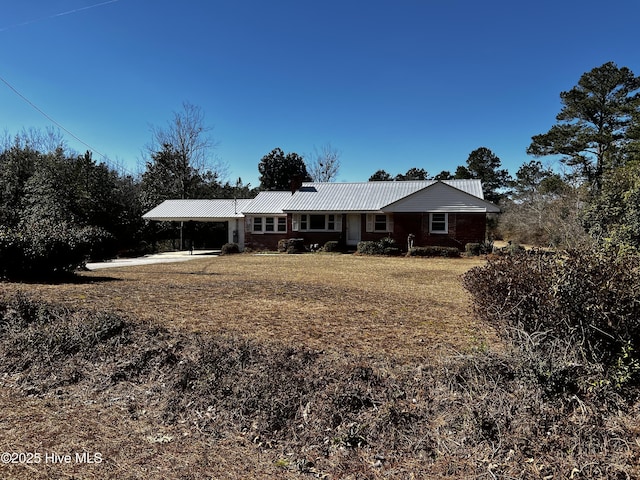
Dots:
(384, 246)
(368, 248)
(229, 249)
(291, 245)
(511, 248)
(44, 248)
(331, 246)
(451, 252)
(580, 309)
(296, 245)
(475, 249)
(101, 245)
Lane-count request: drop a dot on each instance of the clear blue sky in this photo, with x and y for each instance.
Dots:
(390, 84)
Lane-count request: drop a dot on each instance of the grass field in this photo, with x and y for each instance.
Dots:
(288, 367)
(358, 310)
(285, 366)
(403, 308)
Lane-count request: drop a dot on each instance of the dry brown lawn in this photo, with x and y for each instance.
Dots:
(404, 308)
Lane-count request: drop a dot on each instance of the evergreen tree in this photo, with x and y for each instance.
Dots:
(593, 124)
(280, 171)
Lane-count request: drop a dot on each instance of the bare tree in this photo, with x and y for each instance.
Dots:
(47, 141)
(189, 137)
(324, 163)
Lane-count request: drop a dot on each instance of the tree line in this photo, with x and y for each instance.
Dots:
(59, 208)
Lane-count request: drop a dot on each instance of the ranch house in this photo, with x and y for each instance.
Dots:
(435, 212)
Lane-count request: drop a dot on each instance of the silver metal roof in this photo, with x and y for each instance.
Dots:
(365, 196)
(268, 203)
(199, 210)
(334, 197)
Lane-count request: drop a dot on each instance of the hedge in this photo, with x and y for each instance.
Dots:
(451, 252)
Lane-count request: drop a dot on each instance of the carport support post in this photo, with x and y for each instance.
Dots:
(181, 228)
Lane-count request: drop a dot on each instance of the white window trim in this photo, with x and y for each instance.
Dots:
(264, 224)
(446, 223)
(297, 222)
(371, 223)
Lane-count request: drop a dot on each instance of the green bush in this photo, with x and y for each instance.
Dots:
(450, 252)
(291, 245)
(385, 246)
(296, 245)
(475, 249)
(229, 248)
(45, 248)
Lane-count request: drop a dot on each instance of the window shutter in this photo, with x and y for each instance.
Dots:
(339, 222)
(248, 224)
(390, 222)
(371, 218)
(295, 222)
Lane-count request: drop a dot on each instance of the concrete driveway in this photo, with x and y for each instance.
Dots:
(166, 257)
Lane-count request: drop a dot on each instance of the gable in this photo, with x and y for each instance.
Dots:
(441, 197)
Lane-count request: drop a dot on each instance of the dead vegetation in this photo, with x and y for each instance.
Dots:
(161, 398)
(404, 308)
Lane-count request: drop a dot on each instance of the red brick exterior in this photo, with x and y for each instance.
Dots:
(463, 228)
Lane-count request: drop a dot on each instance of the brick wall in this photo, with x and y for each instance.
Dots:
(463, 228)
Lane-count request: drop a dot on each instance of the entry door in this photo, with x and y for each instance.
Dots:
(354, 225)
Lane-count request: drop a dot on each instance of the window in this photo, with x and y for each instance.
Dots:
(438, 223)
(379, 222)
(318, 223)
(269, 224)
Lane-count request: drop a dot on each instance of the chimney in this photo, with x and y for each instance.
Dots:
(295, 183)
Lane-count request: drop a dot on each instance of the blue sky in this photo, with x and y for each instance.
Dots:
(389, 84)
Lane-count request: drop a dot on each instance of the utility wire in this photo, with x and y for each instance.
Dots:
(39, 110)
(49, 118)
(29, 22)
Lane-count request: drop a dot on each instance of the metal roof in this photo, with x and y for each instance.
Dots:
(365, 196)
(268, 203)
(199, 210)
(333, 197)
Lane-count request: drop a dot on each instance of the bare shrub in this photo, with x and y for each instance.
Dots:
(467, 416)
(575, 314)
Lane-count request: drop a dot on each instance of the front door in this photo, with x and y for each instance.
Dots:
(354, 225)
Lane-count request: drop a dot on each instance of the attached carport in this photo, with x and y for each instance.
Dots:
(214, 210)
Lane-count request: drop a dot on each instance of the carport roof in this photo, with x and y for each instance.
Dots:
(215, 210)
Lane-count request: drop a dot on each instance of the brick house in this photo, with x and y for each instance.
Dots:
(435, 212)
(445, 213)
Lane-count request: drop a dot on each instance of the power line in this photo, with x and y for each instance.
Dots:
(52, 120)
(29, 22)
